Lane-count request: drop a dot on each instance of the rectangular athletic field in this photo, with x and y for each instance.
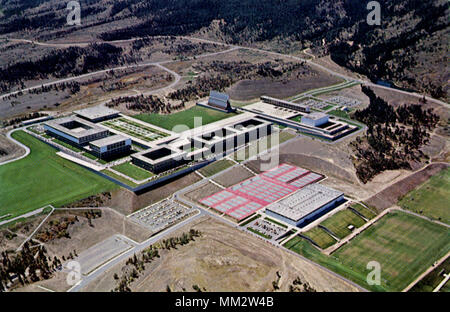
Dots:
(44, 178)
(431, 198)
(185, 118)
(339, 222)
(404, 245)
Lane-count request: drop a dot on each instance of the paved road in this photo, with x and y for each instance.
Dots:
(26, 148)
(310, 62)
(138, 248)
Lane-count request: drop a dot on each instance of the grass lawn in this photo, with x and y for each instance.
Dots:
(368, 213)
(403, 244)
(67, 145)
(133, 171)
(320, 237)
(184, 118)
(338, 222)
(431, 198)
(119, 178)
(44, 178)
(216, 167)
(339, 113)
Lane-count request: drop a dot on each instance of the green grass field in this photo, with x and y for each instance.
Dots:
(320, 237)
(133, 171)
(44, 178)
(216, 167)
(368, 213)
(338, 222)
(67, 145)
(119, 178)
(403, 244)
(184, 118)
(431, 198)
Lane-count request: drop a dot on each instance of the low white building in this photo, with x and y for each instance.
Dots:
(315, 119)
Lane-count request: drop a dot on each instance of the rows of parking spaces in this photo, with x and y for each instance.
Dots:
(268, 229)
(344, 101)
(161, 215)
(315, 104)
(243, 199)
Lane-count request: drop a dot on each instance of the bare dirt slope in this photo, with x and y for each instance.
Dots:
(392, 194)
(224, 259)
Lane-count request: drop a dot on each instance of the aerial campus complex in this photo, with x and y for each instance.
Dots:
(184, 149)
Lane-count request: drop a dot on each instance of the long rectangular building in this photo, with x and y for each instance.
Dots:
(306, 205)
(75, 130)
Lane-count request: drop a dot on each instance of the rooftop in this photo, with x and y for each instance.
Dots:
(74, 126)
(109, 140)
(316, 115)
(96, 112)
(305, 201)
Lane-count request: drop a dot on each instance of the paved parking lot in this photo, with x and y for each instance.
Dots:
(161, 215)
(344, 101)
(267, 228)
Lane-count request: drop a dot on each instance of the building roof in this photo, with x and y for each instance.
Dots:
(96, 112)
(218, 99)
(109, 140)
(266, 98)
(305, 201)
(85, 127)
(316, 116)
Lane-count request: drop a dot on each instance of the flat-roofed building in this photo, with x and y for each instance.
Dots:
(75, 130)
(315, 119)
(159, 159)
(110, 146)
(285, 104)
(305, 205)
(97, 113)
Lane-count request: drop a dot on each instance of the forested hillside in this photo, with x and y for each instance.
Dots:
(409, 48)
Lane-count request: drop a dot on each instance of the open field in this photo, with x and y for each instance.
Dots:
(339, 222)
(431, 198)
(119, 178)
(216, 167)
(133, 171)
(389, 196)
(184, 118)
(320, 237)
(223, 259)
(400, 242)
(233, 176)
(44, 178)
(203, 190)
(365, 212)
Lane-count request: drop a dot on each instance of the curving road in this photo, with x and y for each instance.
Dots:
(27, 149)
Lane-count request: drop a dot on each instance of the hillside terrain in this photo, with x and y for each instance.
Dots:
(409, 48)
